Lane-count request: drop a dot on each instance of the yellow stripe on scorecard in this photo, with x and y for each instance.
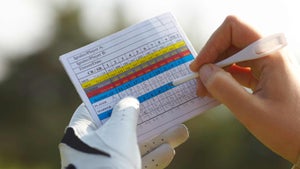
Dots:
(132, 64)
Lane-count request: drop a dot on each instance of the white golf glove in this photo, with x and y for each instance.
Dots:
(159, 152)
(114, 145)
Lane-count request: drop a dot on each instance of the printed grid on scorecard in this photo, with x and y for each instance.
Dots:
(139, 61)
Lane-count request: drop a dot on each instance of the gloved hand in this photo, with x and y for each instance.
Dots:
(159, 152)
(114, 145)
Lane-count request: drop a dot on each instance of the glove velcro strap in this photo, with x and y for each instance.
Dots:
(73, 141)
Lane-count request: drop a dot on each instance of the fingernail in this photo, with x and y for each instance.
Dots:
(205, 72)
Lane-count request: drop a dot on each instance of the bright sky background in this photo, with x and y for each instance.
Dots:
(27, 26)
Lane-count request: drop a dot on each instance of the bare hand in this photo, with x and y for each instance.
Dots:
(272, 111)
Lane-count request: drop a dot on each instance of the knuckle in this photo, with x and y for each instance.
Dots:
(232, 19)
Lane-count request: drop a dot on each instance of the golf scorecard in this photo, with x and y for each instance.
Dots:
(140, 61)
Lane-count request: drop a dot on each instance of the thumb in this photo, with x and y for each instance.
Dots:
(223, 87)
(119, 133)
(121, 127)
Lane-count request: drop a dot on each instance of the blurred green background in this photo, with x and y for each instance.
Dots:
(37, 98)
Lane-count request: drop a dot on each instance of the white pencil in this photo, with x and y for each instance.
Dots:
(260, 48)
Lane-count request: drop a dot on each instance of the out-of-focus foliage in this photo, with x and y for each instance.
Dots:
(37, 100)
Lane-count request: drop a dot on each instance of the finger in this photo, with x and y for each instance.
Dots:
(81, 121)
(123, 121)
(174, 136)
(159, 158)
(222, 86)
(241, 74)
(125, 114)
(119, 132)
(230, 37)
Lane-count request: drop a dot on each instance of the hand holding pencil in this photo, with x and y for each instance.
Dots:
(260, 48)
(272, 111)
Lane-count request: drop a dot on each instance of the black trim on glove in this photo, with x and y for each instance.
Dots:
(73, 141)
(70, 166)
